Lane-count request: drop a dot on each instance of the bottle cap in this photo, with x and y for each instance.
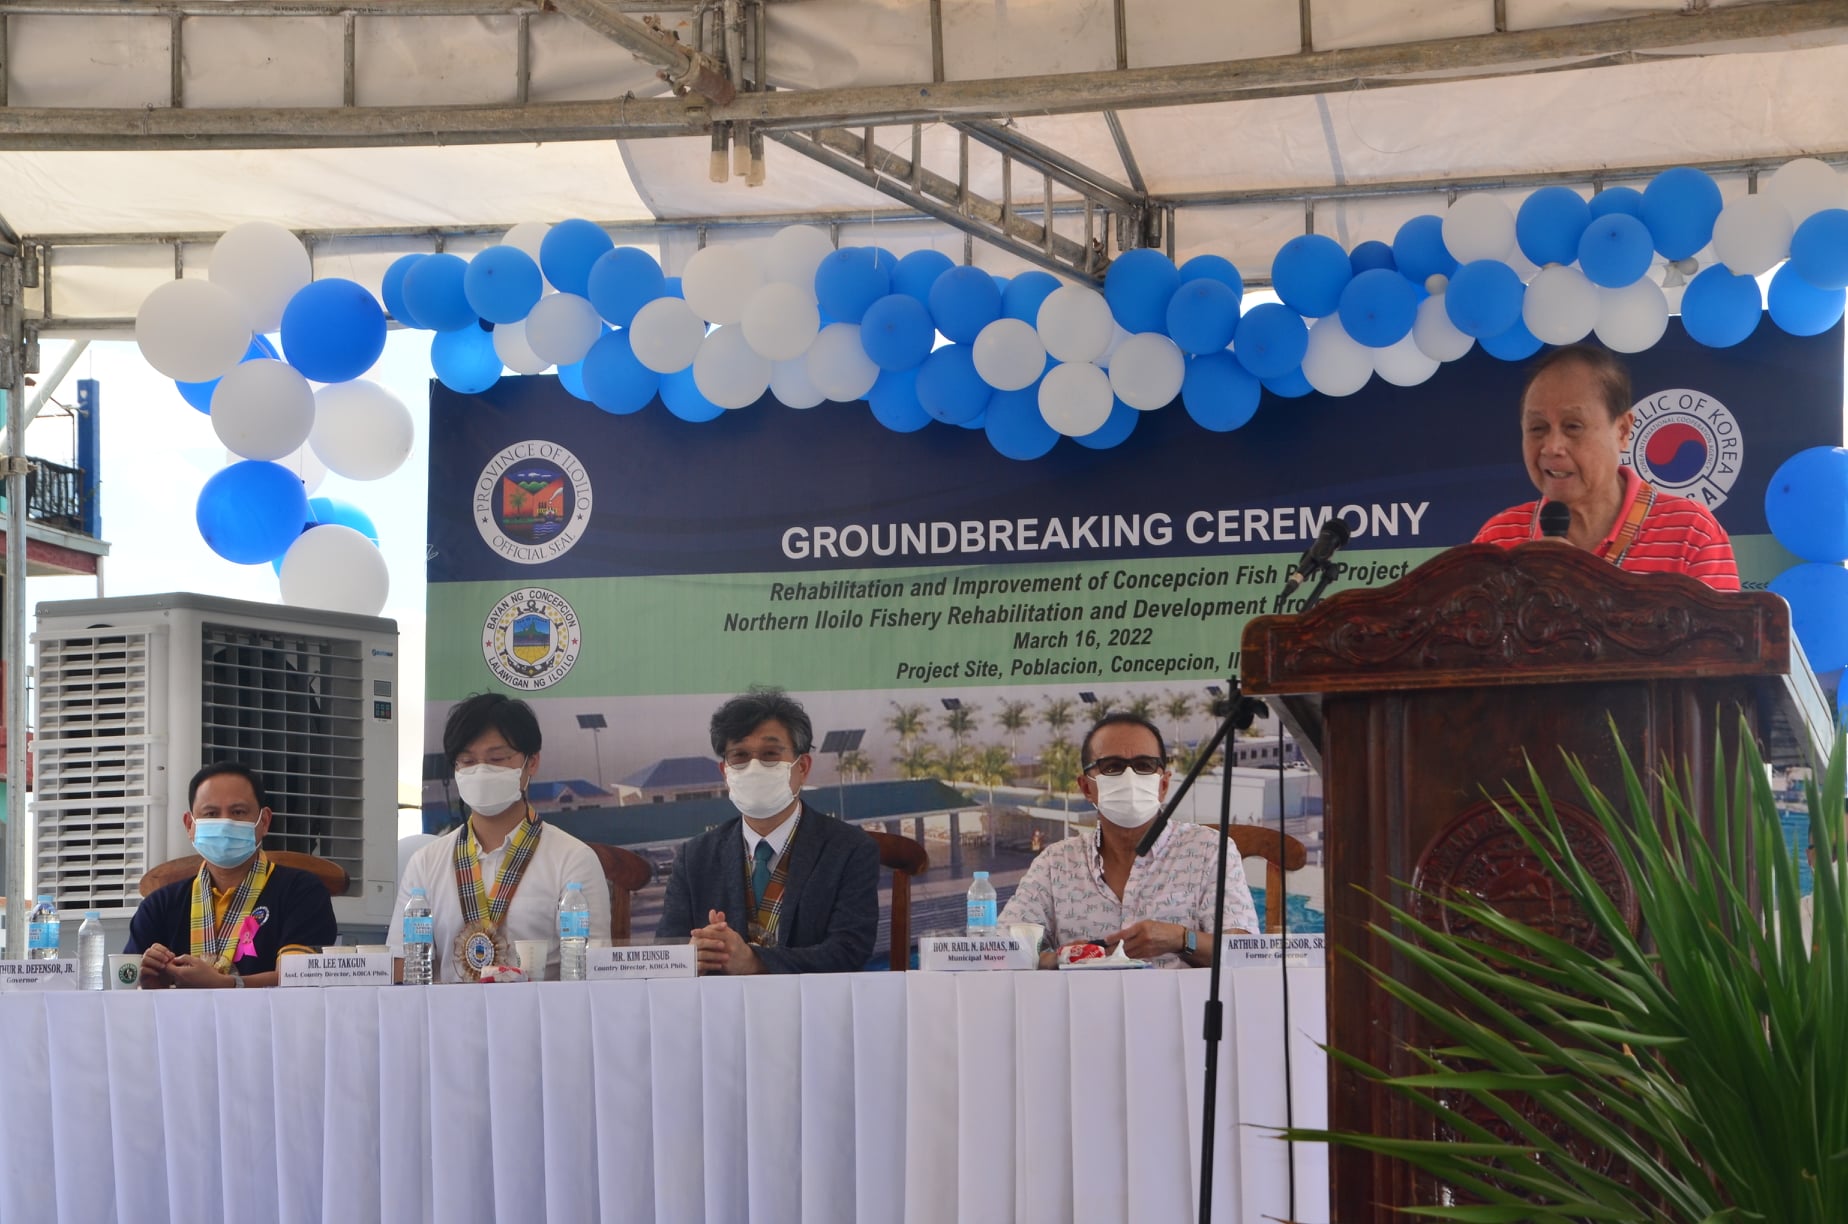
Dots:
(44, 898)
(981, 875)
(96, 914)
(417, 892)
(574, 886)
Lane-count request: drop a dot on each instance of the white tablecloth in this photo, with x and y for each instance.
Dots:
(868, 1098)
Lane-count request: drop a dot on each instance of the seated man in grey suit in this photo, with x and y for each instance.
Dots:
(784, 888)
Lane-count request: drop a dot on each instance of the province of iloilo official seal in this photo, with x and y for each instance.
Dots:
(1686, 443)
(532, 502)
(531, 638)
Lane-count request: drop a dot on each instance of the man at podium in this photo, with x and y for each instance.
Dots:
(1576, 422)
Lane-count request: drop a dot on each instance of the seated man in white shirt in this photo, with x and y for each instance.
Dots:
(517, 867)
(1093, 888)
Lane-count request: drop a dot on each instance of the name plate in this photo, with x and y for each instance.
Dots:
(19, 976)
(642, 961)
(1256, 951)
(960, 953)
(335, 969)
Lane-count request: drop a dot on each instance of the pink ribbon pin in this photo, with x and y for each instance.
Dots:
(247, 938)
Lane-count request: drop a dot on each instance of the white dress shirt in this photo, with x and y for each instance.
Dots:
(777, 837)
(560, 859)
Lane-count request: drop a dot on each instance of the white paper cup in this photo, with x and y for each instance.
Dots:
(1031, 932)
(125, 971)
(531, 954)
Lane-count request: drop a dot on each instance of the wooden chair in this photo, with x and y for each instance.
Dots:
(906, 858)
(1255, 841)
(331, 874)
(626, 873)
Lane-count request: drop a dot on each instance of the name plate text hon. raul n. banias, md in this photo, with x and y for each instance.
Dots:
(37, 975)
(678, 960)
(335, 969)
(959, 953)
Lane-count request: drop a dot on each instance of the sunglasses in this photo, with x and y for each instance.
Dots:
(1113, 766)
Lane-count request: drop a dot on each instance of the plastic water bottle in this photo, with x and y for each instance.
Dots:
(92, 954)
(43, 930)
(419, 939)
(981, 906)
(573, 933)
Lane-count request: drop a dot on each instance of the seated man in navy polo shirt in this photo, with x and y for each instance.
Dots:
(226, 926)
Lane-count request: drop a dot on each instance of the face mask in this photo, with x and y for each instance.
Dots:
(488, 789)
(760, 790)
(1129, 799)
(224, 843)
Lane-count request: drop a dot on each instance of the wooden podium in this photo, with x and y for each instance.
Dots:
(1423, 697)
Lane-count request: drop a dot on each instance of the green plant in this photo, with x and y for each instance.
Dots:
(1706, 1058)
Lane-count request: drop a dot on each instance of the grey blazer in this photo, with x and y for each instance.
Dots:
(830, 899)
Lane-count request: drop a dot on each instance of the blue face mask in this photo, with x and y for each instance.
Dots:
(224, 843)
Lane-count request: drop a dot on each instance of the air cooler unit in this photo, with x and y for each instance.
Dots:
(135, 694)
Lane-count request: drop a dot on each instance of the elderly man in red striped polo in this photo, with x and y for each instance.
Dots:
(1576, 420)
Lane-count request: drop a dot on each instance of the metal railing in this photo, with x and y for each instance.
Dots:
(54, 495)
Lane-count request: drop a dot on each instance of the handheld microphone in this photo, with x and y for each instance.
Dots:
(1334, 535)
(1555, 520)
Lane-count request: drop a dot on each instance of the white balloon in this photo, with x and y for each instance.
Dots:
(262, 409)
(665, 335)
(1336, 363)
(781, 320)
(1479, 227)
(838, 366)
(1147, 370)
(527, 236)
(562, 327)
(1561, 306)
(1752, 235)
(793, 253)
(1805, 187)
(1117, 337)
(361, 430)
(336, 568)
(1076, 399)
(1009, 355)
(1435, 335)
(1632, 318)
(728, 372)
(305, 464)
(1404, 364)
(718, 280)
(264, 264)
(1075, 324)
(517, 355)
(192, 330)
(792, 386)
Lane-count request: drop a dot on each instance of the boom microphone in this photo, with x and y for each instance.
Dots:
(1555, 520)
(1334, 535)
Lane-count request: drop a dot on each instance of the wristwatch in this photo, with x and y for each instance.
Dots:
(238, 978)
(1191, 943)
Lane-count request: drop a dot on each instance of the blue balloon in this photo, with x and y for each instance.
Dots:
(568, 252)
(1370, 255)
(332, 331)
(1515, 344)
(1484, 298)
(1270, 340)
(962, 302)
(252, 511)
(684, 399)
(436, 293)
(1800, 308)
(1418, 248)
(1719, 309)
(571, 378)
(978, 421)
(1138, 286)
(918, 271)
(199, 394)
(1549, 224)
(1214, 267)
(894, 401)
(851, 279)
(391, 289)
(1611, 200)
(464, 360)
(1615, 250)
(1219, 393)
(1806, 504)
(1309, 273)
(1817, 594)
(1015, 426)
(615, 381)
(1202, 315)
(502, 284)
(1023, 295)
(897, 332)
(1114, 431)
(1819, 249)
(671, 288)
(1680, 207)
(622, 281)
(1378, 308)
(948, 386)
(1001, 282)
(1293, 385)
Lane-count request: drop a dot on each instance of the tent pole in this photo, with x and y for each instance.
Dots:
(12, 388)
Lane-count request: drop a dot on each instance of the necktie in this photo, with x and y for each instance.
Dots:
(760, 872)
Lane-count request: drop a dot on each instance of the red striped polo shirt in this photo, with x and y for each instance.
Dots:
(1677, 536)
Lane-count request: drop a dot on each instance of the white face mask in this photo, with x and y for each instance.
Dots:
(489, 789)
(1128, 799)
(761, 789)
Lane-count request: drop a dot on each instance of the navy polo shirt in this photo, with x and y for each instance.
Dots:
(292, 909)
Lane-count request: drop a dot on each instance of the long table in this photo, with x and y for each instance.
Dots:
(868, 1098)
